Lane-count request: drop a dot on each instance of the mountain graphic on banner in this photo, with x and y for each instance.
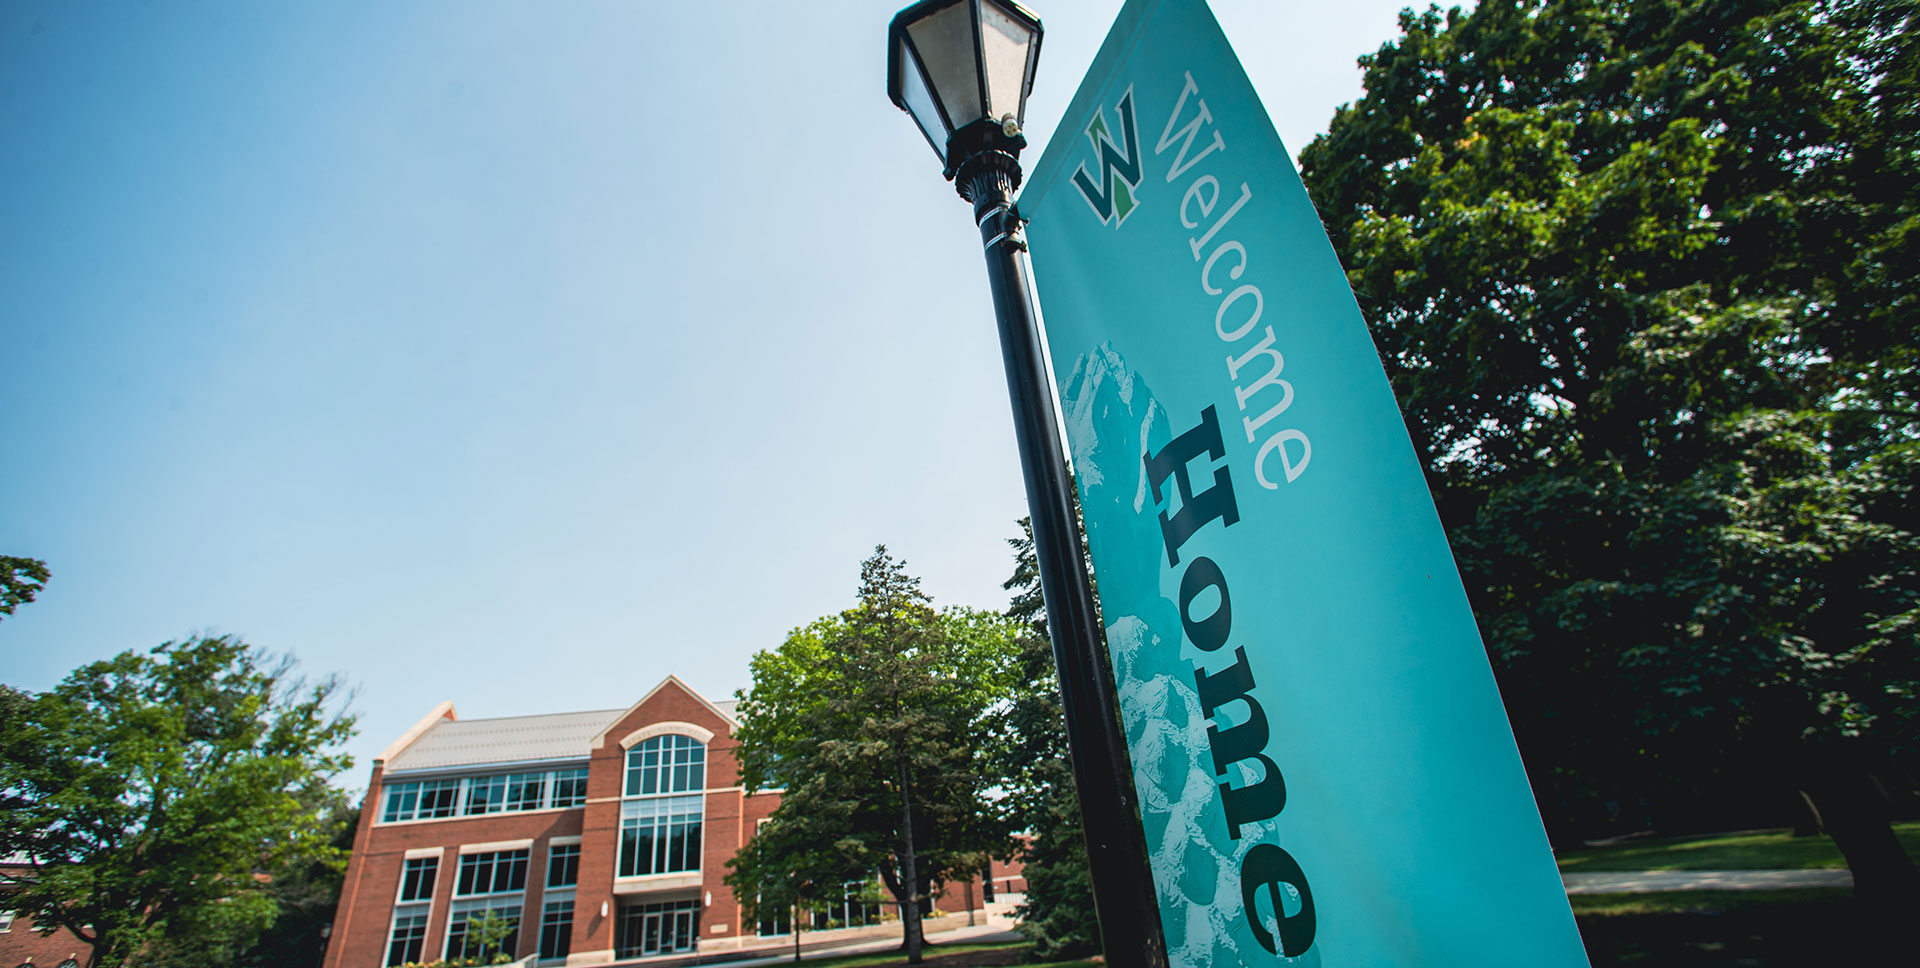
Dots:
(1113, 421)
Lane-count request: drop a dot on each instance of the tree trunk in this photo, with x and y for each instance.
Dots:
(1808, 822)
(910, 874)
(796, 929)
(1886, 885)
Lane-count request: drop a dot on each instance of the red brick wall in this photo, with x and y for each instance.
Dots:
(954, 895)
(22, 944)
(1009, 877)
(720, 833)
(374, 871)
(365, 915)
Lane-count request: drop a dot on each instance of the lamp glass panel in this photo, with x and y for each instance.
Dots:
(945, 41)
(1004, 42)
(919, 100)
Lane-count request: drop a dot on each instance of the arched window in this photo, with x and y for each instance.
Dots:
(667, 764)
(663, 806)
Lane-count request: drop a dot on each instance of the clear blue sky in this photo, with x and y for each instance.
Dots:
(518, 354)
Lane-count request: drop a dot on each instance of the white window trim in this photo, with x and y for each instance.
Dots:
(416, 853)
(644, 733)
(546, 869)
(438, 868)
(466, 849)
(393, 925)
(520, 918)
(463, 792)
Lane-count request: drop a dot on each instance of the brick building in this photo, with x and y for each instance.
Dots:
(21, 945)
(602, 836)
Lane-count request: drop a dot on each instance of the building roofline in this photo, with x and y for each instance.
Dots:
(440, 712)
(506, 766)
(600, 738)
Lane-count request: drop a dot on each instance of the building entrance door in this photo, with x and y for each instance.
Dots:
(657, 929)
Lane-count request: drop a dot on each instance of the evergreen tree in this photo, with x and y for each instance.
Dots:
(1643, 277)
(1058, 916)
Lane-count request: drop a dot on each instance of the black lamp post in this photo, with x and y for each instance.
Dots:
(963, 69)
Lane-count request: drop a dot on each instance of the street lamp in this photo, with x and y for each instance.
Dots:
(962, 69)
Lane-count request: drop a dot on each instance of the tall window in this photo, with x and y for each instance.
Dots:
(556, 927)
(416, 884)
(660, 835)
(661, 816)
(488, 892)
(409, 935)
(563, 865)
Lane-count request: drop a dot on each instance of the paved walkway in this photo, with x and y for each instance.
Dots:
(1648, 882)
(997, 927)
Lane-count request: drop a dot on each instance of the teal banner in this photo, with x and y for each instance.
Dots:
(1326, 774)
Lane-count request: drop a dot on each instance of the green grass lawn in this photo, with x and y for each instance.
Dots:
(983, 955)
(1686, 929)
(1753, 850)
(1702, 902)
(1735, 929)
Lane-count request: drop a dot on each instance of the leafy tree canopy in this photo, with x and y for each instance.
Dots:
(20, 580)
(1643, 276)
(875, 723)
(150, 791)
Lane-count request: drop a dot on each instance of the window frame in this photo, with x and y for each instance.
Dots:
(483, 794)
(564, 934)
(495, 862)
(463, 910)
(668, 763)
(424, 913)
(568, 856)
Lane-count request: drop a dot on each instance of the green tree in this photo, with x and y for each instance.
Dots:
(875, 724)
(1058, 916)
(149, 790)
(1642, 275)
(789, 864)
(306, 888)
(20, 580)
(487, 938)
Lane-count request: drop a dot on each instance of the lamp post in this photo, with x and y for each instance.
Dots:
(962, 69)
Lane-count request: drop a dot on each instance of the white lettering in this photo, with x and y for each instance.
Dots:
(1234, 273)
(1246, 195)
(1272, 378)
(1278, 444)
(1180, 162)
(1206, 204)
(1259, 304)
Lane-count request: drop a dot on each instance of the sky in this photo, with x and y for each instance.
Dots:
(512, 354)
